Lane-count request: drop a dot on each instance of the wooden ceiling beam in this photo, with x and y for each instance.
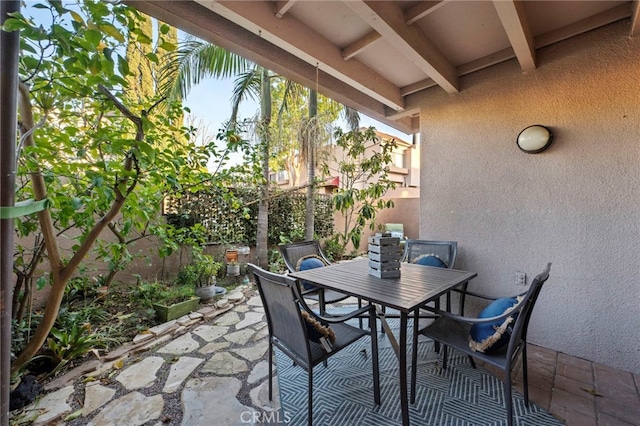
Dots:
(514, 20)
(388, 19)
(359, 45)
(421, 10)
(468, 68)
(601, 19)
(635, 18)
(283, 7)
(295, 37)
(417, 86)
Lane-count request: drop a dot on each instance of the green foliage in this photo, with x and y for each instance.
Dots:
(200, 273)
(81, 286)
(276, 263)
(363, 169)
(162, 293)
(84, 142)
(105, 142)
(87, 314)
(21, 331)
(333, 248)
(71, 343)
(88, 149)
(217, 222)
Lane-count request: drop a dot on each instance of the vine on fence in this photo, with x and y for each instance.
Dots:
(234, 222)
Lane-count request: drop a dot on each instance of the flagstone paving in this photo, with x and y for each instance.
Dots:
(208, 367)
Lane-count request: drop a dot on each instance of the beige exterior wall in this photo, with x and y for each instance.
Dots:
(576, 204)
(407, 178)
(406, 210)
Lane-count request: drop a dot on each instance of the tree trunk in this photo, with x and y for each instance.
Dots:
(263, 207)
(309, 220)
(60, 273)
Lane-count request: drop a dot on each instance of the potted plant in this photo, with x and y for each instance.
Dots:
(168, 312)
(206, 287)
(202, 275)
(231, 255)
(233, 268)
(170, 300)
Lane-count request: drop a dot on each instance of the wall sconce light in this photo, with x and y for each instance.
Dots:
(534, 139)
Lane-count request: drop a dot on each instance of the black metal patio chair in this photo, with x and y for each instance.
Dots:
(433, 253)
(291, 329)
(445, 250)
(453, 331)
(294, 254)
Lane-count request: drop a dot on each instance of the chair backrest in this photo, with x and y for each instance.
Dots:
(445, 250)
(524, 309)
(292, 253)
(280, 299)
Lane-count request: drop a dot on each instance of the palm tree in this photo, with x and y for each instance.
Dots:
(197, 60)
(263, 206)
(309, 145)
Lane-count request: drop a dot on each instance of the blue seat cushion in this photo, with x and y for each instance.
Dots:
(431, 260)
(309, 262)
(493, 336)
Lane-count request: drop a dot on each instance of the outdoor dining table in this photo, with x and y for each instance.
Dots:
(416, 286)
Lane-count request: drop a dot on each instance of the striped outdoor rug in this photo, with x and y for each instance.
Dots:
(343, 392)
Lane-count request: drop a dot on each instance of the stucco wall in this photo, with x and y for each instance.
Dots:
(405, 211)
(576, 205)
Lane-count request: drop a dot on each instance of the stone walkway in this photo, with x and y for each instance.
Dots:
(206, 368)
(210, 368)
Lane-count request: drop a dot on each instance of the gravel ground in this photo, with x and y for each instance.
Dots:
(172, 411)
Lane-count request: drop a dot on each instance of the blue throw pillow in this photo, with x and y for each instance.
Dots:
(431, 260)
(309, 262)
(492, 336)
(317, 329)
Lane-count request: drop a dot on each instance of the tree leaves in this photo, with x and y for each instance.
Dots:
(363, 175)
(76, 17)
(16, 23)
(93, 37)
(112, 31)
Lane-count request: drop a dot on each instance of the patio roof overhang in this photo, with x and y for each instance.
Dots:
(373, 55)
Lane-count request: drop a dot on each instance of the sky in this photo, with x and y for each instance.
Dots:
(210, 102)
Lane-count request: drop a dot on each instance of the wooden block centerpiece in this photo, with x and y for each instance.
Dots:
(385, 254)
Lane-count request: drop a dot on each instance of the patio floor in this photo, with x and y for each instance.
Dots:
(581, 392)
(576, 390)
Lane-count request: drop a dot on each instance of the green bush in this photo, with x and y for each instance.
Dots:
(226, 224)
(162, 293)
(333, 248)
(199, 273)
(276, 263)
(66, 345)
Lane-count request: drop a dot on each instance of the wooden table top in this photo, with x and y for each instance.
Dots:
(417, 284)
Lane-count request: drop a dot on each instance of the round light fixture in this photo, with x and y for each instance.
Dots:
(534, 139)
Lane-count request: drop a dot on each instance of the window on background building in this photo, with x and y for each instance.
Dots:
(398, 159)
(278, 176)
